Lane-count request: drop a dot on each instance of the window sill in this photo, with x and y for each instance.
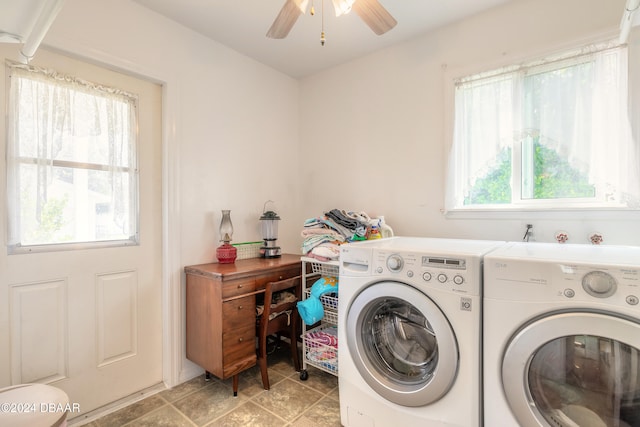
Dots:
(57, 247)
(582, 213)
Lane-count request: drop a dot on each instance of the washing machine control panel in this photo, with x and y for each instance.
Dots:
(449, 273)
(570, 282)
(395, 262)
(599, 284)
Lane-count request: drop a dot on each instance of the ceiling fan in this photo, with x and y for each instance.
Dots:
(370, 11)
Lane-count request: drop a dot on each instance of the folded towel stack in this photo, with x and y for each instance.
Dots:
(324, 234)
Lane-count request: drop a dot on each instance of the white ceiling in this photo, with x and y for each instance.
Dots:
(242, 25)
(17, 19)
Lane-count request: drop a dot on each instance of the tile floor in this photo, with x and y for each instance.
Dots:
(289, 402)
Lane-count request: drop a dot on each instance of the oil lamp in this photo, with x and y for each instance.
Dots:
(226, 253)
(269, 226)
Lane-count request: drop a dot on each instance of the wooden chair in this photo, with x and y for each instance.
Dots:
(280, 317)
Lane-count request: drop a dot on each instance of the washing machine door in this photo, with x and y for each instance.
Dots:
(402, 344)
(573, 370)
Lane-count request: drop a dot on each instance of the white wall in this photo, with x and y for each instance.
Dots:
(376, 126)
(231, 136)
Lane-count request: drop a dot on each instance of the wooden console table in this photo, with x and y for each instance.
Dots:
(221, 311)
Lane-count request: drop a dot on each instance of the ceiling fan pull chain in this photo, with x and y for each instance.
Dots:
(322, 38)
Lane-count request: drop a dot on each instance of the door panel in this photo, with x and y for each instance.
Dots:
(402, 344)
(567, 368)
(89, 321)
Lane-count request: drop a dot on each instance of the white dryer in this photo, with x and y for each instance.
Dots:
(409, 332)
(562, 336)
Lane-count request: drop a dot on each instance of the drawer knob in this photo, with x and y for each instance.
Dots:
(240, 339)
(240, 307)
(280, 277)
(240, 286)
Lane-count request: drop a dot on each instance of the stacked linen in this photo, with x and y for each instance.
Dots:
(355, 224)
(324, 234)
(321, 243)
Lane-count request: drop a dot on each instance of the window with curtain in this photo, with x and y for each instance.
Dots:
(71, 162)
(549, 134)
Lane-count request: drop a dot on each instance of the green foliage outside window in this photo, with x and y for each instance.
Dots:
(554, 178)
(495, 187)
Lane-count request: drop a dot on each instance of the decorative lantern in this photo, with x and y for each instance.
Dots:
(226, 253)
(269, 226)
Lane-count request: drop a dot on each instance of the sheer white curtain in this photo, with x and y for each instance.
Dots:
(484, 125)
(575, 104)
(583, 116)
(62, 129)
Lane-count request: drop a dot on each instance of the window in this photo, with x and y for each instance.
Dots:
(552, 133)
(71, 162)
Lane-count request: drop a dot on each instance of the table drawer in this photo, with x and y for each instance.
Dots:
(239, 313)
(233, 288)
(238, 344)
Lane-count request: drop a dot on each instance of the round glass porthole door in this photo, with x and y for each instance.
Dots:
(402, 344)
(571, 378)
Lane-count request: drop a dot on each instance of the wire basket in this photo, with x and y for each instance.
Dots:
(325, 269)
(247, 250)
(330, 305)
(317, 350)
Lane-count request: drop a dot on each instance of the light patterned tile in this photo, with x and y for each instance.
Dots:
(166, 416)
(325, 413)
(248, 414)
(288, 399)
(250, 381)
(334, 394)
(319, 380)
(208, 403)
(181, 390)
(131, 412)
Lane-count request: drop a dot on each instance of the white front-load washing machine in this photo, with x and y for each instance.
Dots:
(409, 332)
(562, 336)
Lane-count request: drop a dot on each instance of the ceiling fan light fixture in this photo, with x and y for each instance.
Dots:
(342, 7)
(288, 16)
(374, 15)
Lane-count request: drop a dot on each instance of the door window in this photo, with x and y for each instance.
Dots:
(72, 162)
(402, 344)
(400, 341)
(585, 380)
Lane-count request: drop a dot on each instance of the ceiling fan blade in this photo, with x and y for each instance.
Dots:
(374, 15)
(287, 17)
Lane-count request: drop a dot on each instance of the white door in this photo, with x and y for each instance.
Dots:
(402, 344)
(88, 321)
(574, 369)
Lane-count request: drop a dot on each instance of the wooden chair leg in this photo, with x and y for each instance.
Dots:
(264, 372)
(294, 350)
(262, 361)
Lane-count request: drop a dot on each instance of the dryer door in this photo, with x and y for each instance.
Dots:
(402, 344)
(574, 369)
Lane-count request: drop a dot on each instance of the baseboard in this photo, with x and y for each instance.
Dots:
(115, 406)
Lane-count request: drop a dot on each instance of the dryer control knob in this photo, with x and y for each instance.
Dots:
(395, 262)
(599, 284)
(458, 279)
(442, 278)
